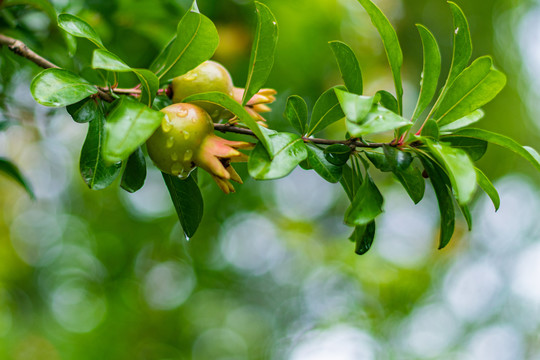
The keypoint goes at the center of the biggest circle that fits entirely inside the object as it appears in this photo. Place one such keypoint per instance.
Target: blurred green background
(270, 274)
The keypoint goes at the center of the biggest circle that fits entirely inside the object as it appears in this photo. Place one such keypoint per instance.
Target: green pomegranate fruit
(186, 140)
(209, 76)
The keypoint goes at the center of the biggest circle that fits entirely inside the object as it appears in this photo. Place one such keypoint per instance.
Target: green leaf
(188, 202)
(459, 168)
(430, 73)
(378, 120)
(337, 154)
(388, 100)
(79, 28)
(431, 130)
(224, 100)
(350, 181)
(289, 151)
(103, 59)
(296, 112)
(363, 238)
(391, 45)
(59, 87)
(366, 205)
(445, 200)
(500, 140)
(355, 107)
(83, 111)
(413, 182)
(196, 41)
(379, 160)
(8, 168)
(476, 86)
(321, 165)
(467, 215)
(474, 147)
(462, 49)
(326, 111)
(262, 52)
(488, 188)
(128, 126)
(397, 159)
(95, 172)
(348, 67)
(43, 5)
(464, 121)
(135, 172)
(160, 61)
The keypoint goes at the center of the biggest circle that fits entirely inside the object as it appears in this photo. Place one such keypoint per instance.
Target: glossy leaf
(462, 48)
(262, 52)
(289, 151)
(296, 112)
(355, 107)
(488, 188)
(188, 202)
(430, 73)
(379, 160)
(337, 154)
(129, 124)
(500, 140)
(59, 87)
(467, 215)
(366, 205)
(321, 165)
(103, 59)
(459, 168)
(95, 172)
(444, 199)
(467, 120)
(348, 67)
(135, 172)
(160, 61)
(413, 182)
(388, 100)
(350, 181)
(363, 237)
(378, 120)
(476, 86)
(83, 111)
(230, 104)
(79, 28)
(325, 112)
(431, 130)
(391, 45)
(397, 159)
(9, 169)
(476, 148)
(196, 41)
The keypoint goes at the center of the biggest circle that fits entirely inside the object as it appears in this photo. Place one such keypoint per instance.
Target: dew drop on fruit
(174, 156)
(170, 142)
(177, 168)
(166, 125)
(182, 113)
(186, 135)
(188, 155)
(190, 76)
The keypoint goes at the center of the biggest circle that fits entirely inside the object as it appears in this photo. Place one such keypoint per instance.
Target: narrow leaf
(128, 126)
(363, 237)
(467, 215)
(430, 73)
(325, 112)
(391, 45)
(462, 49)
(8, 168)
(188, 202)
(95, 172)
(467, 120)
(79, 28)
(350, 181)
(366, 205)
(459, 168)
(475, 148)
(488, 188)
(413, 182)
(196, 41)
(337, 154)
(262, 52)
(388, 101)
(289, 151)
(59, 87)
(348, 67)
(476, 86)
(296, 112)
(230, 104)
(322, 166)
(445, 200)
(135, 172)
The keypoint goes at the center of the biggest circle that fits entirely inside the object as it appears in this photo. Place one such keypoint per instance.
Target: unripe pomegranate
(209, 76)
(186, 140)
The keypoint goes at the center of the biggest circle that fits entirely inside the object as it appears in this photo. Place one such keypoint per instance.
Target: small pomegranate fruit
(186, 140)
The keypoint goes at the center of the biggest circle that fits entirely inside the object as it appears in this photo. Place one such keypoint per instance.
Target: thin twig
(19, 48)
